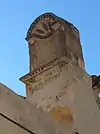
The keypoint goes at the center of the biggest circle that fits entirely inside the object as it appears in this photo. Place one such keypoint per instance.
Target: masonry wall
(66, 94)
(28, 115)
(7, 127)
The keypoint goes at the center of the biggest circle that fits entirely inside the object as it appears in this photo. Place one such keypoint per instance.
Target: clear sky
(17, 15)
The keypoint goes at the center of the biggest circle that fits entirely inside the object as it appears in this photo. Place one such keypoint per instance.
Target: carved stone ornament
(45, 25)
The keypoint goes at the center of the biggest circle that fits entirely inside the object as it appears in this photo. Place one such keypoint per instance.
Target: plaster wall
(21, 111)
(69, 99)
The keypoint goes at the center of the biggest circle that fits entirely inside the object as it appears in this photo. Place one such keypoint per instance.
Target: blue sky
(17, 15)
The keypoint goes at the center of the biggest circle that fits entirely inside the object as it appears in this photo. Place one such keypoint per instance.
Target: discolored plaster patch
(62, 115)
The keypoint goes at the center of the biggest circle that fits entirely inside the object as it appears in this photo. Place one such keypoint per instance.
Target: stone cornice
(60, 61)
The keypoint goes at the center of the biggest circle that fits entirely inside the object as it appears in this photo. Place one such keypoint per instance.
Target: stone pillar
(59, 84)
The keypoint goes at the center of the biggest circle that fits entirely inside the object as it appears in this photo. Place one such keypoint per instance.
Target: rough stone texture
(21, 111)
(57, 81)
(60, 99)
(69, 99)
(51, 36)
